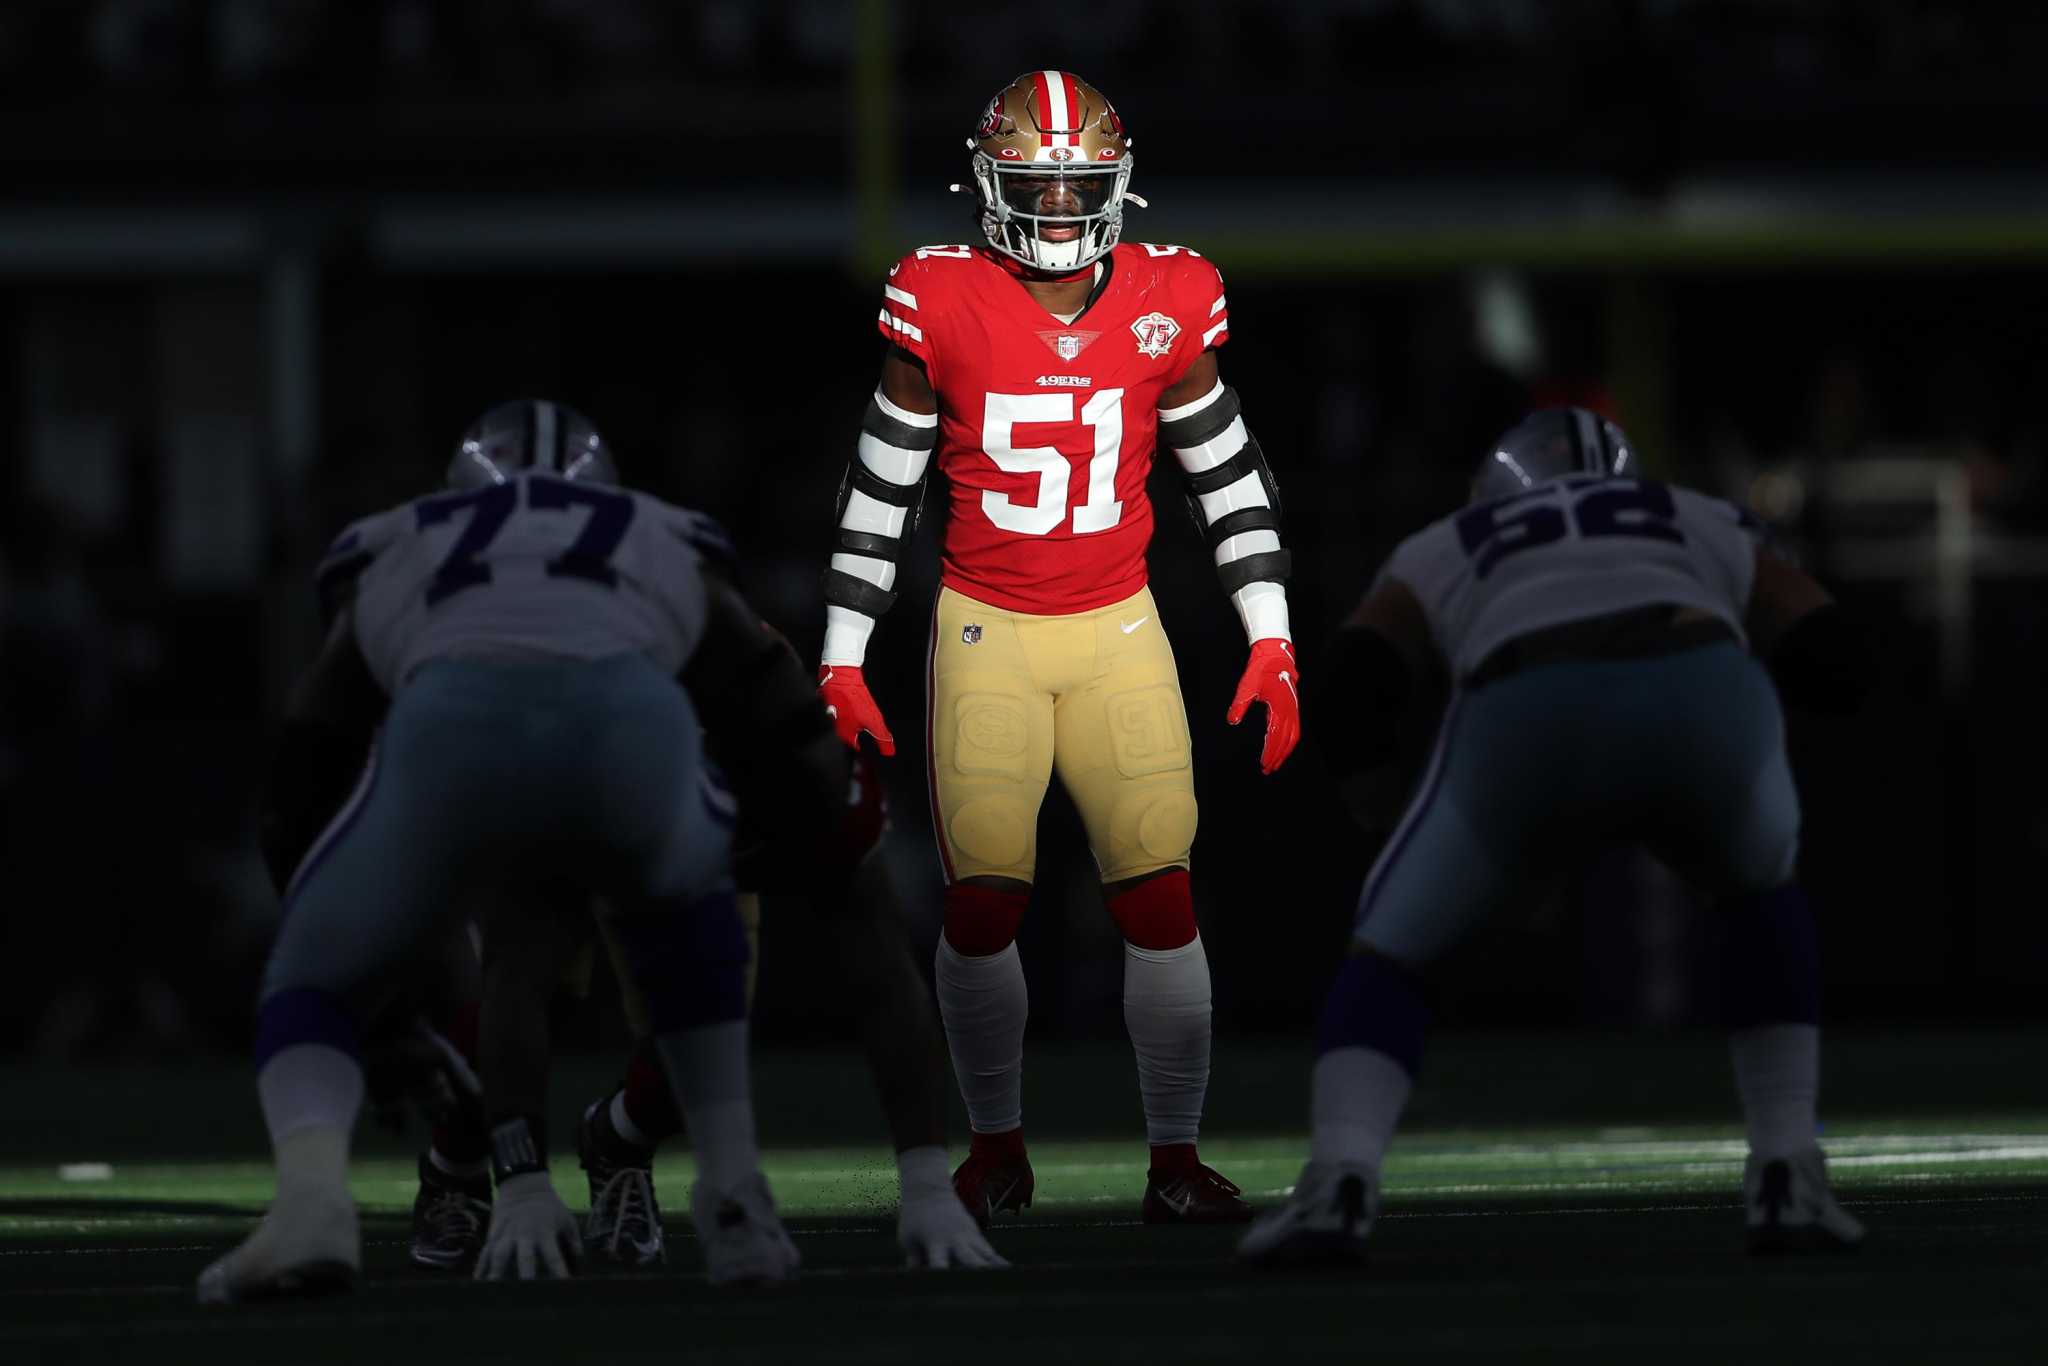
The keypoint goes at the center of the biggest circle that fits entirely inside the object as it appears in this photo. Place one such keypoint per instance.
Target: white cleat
(308, 1244)
(1323, 1223)
(1790, 1208)
(743, 1238)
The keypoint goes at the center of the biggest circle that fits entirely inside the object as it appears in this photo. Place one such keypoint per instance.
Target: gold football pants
(1013, 698)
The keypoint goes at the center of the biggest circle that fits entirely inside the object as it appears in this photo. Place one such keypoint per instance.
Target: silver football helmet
(531, 434)
(1552, 443)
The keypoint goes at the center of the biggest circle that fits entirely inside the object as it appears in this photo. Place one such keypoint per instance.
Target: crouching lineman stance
(1043, 368)
(803, 829)
(527, 629)
(1594, 626)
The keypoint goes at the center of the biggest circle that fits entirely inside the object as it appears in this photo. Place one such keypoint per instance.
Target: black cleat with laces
(624, 1226)
(450, 1217)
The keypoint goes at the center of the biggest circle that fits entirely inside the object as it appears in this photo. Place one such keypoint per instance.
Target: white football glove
(531, 1229)
(933, 1228)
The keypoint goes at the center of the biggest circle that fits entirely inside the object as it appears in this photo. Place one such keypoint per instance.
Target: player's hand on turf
(1271, 676)
(532, 1232)
(937, 1233)
(852, 707)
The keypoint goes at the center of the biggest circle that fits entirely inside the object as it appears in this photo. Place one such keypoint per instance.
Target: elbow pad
(1357, 695)
(880, 499)
(1824, 663)
(1230, 490)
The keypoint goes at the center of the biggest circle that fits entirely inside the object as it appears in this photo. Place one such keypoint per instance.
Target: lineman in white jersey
(526, 629)
(1594, 632)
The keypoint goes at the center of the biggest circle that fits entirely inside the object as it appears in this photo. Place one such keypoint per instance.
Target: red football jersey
(1046, 429)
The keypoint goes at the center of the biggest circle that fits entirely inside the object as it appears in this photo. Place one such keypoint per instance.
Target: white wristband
(923, 1172)
(1262, 607)
(846, 637)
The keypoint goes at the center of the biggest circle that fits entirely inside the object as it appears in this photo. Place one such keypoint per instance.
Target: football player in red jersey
(1043, 368)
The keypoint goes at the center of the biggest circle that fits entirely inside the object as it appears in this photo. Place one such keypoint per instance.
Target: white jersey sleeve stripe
(909, 300)
(904, 415)
(1209, 337)
(911, 330)
(1216, 307)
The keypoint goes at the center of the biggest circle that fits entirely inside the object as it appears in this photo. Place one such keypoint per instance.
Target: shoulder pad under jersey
(334, 581)
(706, 536)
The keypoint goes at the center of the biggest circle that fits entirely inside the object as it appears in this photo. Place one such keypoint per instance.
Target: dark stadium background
(260, 262)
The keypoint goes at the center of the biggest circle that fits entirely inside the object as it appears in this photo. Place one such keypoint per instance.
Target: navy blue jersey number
(489, 507)
(610, 514)
(1523, 522)
(589, 557)
(1599, 507)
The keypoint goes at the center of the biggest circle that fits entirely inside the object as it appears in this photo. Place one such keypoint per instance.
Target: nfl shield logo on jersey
(970, 634)
(1068, 347)
(1155, 333)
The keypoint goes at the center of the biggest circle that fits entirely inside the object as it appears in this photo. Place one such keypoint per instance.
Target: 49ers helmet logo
(1155, 333)
(991, 118)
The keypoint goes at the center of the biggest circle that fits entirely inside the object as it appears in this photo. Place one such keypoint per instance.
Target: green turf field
(1501, 1240)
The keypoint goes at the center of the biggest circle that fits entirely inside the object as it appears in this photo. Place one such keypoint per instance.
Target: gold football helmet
(1051, 167)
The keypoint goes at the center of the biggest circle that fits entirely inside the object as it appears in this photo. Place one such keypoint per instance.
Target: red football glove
(866, 818)
(1271, 676)
(851, 707)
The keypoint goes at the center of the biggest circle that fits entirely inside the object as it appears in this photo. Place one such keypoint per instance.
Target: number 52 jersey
(1046, 428)
(537, 567)
(1571, 549)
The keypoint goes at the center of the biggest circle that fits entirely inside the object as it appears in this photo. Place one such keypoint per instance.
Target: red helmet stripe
(1053, 106)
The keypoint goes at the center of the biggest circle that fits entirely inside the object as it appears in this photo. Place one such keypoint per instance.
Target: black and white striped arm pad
(878, 507)
(1236, 506)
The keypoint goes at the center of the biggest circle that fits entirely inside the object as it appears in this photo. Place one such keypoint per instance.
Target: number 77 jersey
(1047, 428)
(536, 567)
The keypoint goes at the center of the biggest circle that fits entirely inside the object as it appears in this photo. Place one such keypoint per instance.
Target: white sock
(1359, 1096)
(984, 1005)
(310, 1094)
(1166, 1010)
(1777, 1074)
(708, 1068)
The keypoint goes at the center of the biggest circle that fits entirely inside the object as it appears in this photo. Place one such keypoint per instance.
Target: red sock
(1174, 1158)
(1009, 1144)
(649, 1102)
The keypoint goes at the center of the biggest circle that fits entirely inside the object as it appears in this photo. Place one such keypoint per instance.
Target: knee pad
(992, 832)
(1158, 913)
(1151, 828)
(982, 920)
